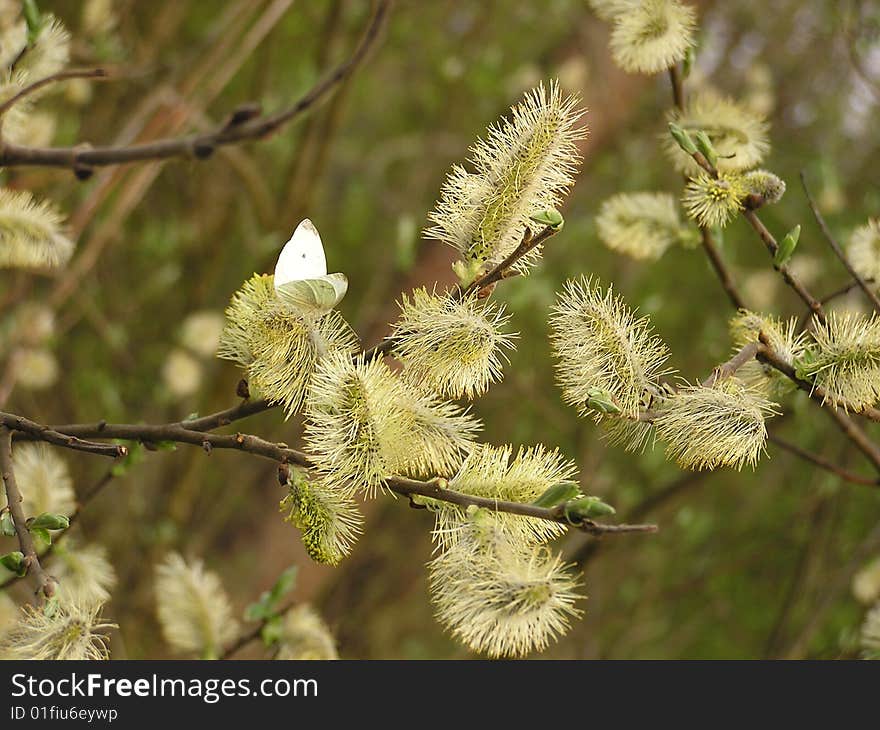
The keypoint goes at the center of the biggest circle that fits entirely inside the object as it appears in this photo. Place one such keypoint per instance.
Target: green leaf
(14, 562)
(587, 508)
(600, 400)
(704, 145)
(561, 492)
(271, 631)
(683, 138)
(549, 217)
(267, 604)
(42, 534)
(786, 247)
(7, 526)
(34, 20)
(48, 521)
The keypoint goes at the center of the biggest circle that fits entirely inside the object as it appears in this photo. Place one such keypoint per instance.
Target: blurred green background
(745, 565)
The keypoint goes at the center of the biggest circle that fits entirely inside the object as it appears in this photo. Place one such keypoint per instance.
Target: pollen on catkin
(714, 202)
(357, 426)
(738, 134)
(453, 347)
(652, 35)
(640, 225)
(277, 345)
(363, 424)
(783, 337)
(328, 517)
(844, 360)
(44, 479)
(305, 636)
(31, 233)
(863, 251)
(602, 348)
(766, 186)
(707, 427)
(193, 609)
(49, 53)
(496, 472)
(62, 630)
(495, 596)
(85, 575)
(525, 165)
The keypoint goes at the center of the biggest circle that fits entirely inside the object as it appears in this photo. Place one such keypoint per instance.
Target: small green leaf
(48, 521)
(271, 631)
(42, 534)
(600, 400)
(34, 20)
(14, 562)
(561, 492)
(786, 247)
(7, 526)
(690, 57)
(704, 145)
(586, 508)
(549, 217)
(683, 138)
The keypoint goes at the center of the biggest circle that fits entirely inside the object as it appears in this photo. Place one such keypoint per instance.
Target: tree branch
(838, 251)
(45, 583)
(279, 452)
(241, 126)
(65, 440)
(821, 462)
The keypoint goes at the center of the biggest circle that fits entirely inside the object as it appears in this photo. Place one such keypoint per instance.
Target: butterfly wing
(302, 256)
(318, 295)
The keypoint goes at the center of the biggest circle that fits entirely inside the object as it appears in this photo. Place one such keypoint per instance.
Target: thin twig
(729, 368)
(45, 582)
(65, 440)
(202, 145)
(721, 270)
(75, 73)
(279, 452)
(835, 246)
(789, 278)
(821, 462)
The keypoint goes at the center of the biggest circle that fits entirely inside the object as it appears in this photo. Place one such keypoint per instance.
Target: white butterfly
(301, 277)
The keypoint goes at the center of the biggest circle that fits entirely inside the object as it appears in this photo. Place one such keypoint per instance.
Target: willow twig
(838, 251)
(45, 583)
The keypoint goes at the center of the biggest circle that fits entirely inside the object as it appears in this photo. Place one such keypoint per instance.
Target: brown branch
(502, 270)
(729, 368)
(279, 452)
(76, 73)
(239, 128)
(482, 283)
(721, 270)
(677, 84)
(56, 438)
(45, 582)
(789, 278)
(822, 462)
(835, 246)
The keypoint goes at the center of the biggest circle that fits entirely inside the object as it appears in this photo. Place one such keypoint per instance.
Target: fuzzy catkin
(278, 346)
(601, 345)
(193, 608)
(641, 225)
(525, 165)
(31, 234)
(498, 596)
(650, 36)
(453, 347)
(738, 135)
(708, 427)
